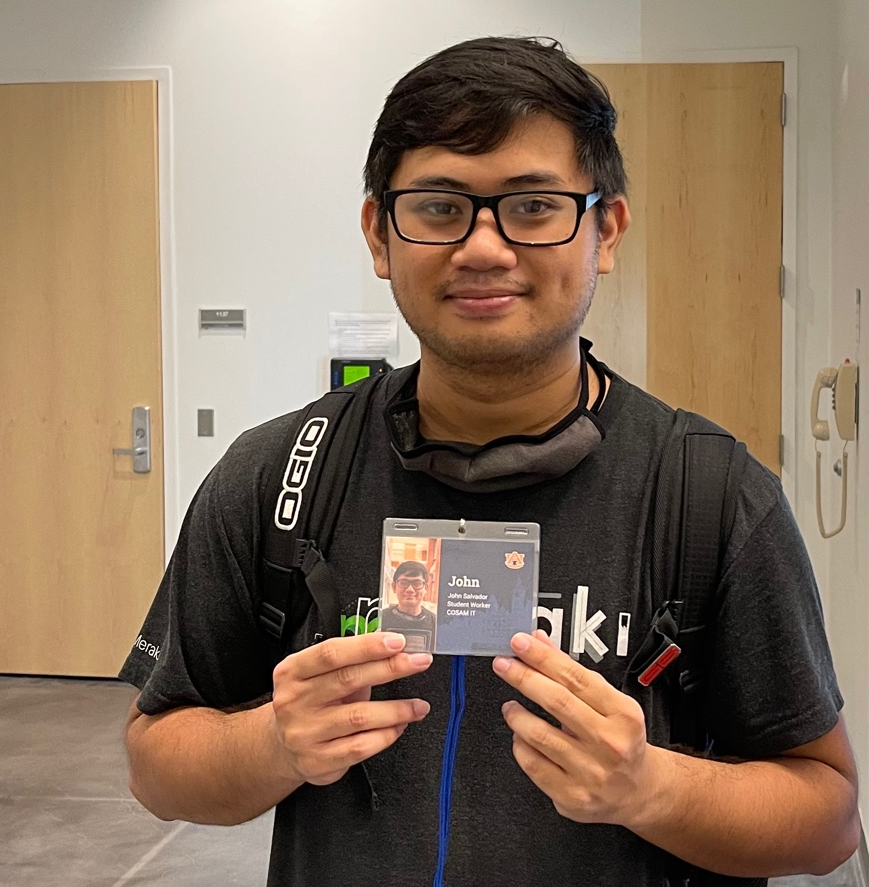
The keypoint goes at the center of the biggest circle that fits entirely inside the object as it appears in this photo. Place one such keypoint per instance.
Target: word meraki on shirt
(582, 639)
(150, 649)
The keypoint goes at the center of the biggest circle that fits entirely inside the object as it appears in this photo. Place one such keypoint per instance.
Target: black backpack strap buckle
(306, 555)
(272, 621)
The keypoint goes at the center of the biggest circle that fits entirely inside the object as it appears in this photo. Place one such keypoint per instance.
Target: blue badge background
(511, 596)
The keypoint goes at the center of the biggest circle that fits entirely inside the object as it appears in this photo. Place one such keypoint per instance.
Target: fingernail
(394, 641)
(501, 664)
(521, 642)
(421, 708)
(419, 660)
(507, 706)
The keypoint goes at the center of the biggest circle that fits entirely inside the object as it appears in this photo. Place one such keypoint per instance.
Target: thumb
(541, 635)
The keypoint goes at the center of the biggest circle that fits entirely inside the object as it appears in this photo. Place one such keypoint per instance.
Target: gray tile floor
(67, 818)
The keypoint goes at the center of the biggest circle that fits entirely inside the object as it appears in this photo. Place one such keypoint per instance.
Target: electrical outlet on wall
(205, 423)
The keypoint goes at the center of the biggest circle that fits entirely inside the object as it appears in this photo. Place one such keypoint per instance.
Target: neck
(473, 407)
(410, 611)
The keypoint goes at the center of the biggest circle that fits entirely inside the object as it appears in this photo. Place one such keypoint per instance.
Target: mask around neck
(508, 463)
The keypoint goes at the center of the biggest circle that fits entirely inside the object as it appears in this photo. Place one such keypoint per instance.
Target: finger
(582, 682)
(559, 701)
(551, 742)
(346, 720)
(347, 681)
(350, 750)
(338, 653)
(546, 775)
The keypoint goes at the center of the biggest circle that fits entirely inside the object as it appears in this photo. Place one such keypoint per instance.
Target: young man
(496, 195)
(408, 616)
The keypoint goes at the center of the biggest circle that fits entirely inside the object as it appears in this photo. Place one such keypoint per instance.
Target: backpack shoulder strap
(304, 494)
(704, 509)
(695, 505)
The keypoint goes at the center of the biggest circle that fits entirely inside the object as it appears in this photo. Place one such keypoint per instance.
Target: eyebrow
(534, 178)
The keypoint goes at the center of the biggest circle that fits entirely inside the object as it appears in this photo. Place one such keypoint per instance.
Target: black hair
(469, 97)
(410, 568)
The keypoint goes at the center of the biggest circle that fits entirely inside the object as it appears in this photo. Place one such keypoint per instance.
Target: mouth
(484, 303)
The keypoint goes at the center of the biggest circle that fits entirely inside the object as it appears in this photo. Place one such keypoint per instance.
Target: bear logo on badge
(515, 561)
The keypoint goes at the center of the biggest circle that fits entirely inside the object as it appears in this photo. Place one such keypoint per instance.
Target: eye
(439, 208)
(533, 206)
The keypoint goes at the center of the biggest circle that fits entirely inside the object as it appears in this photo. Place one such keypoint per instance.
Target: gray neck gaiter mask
(508, 463)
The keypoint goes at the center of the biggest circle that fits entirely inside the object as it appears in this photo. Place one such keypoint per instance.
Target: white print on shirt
(555, 618)
(298, 470)
(584, 628)
(150, 649)
(583, 639)
(624, 632)
(583, 634)
(366, 618)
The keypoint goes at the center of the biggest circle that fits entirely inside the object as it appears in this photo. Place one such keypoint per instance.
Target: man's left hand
(598, 767)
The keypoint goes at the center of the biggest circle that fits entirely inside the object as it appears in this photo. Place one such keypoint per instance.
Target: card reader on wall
(346, 371)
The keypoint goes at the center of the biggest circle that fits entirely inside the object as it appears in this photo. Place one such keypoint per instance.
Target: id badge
(459, 587)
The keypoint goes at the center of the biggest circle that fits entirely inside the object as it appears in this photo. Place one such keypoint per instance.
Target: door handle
(141, 449)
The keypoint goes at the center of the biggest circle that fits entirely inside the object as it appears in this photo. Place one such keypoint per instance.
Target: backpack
(694, 506)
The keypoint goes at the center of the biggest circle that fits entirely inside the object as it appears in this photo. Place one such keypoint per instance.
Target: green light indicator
(355, 373)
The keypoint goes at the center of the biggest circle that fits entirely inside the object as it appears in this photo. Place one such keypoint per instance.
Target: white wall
(849, 571)
(273, 103)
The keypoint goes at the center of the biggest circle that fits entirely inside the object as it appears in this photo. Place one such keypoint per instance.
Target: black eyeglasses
(524, 218)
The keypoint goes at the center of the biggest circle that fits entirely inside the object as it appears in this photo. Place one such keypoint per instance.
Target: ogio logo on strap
(297, 473)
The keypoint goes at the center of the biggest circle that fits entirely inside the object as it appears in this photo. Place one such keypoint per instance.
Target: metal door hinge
(784, 109)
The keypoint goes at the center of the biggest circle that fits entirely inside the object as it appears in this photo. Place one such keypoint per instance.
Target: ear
(375, 234)
(611, 231)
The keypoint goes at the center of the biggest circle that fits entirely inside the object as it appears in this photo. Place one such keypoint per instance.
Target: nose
(485, 248)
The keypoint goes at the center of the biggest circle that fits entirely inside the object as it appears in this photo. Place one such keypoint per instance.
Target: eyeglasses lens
(529, 217)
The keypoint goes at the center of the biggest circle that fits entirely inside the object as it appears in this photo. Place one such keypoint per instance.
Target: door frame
(790, 184)
(168, 288)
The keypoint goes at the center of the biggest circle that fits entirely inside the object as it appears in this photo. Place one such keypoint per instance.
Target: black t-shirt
(771, 686)
(419, 630)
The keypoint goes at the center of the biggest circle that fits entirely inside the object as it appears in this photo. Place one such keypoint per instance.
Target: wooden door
(693, 311)
(82, 534)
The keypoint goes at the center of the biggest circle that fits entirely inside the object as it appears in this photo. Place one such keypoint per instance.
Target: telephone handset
(843, 381)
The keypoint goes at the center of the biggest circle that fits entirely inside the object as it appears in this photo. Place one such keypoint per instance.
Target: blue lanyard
(448, 766)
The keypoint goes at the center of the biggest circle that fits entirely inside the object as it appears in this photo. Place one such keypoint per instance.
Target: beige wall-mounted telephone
(843, 381)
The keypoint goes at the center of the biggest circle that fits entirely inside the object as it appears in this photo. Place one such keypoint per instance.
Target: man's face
(410, 590)
(485, 303)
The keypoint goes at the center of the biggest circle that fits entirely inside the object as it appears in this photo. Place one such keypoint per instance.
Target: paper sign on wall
(363, 335)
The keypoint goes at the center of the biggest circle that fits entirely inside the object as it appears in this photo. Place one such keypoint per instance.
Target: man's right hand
(324, 718)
